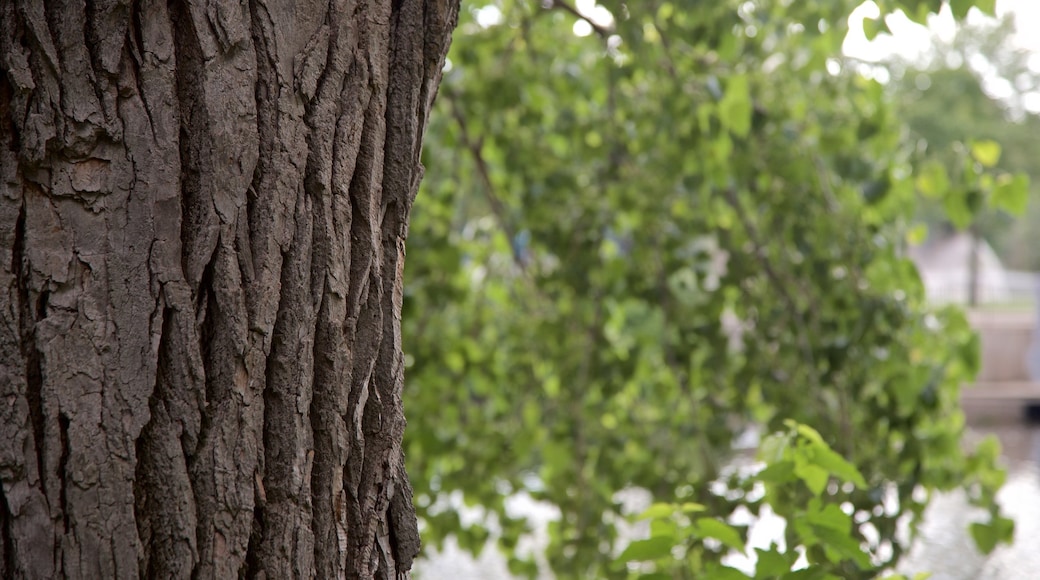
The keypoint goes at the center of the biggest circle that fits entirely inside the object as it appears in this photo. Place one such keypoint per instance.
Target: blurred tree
(654, 227)
(976, 86)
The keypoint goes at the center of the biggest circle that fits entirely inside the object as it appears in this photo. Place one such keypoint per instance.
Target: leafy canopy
(634, 246)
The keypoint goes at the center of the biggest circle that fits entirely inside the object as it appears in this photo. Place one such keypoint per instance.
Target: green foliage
(973, 186)
(634, 246)
(820, 529)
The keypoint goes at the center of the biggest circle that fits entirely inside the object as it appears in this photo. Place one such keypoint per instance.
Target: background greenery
(943, 99)
(635, 246)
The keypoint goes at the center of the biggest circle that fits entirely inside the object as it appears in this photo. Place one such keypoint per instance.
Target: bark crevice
(33, 366)
(252, 564)
(63, 473)
(6, 536)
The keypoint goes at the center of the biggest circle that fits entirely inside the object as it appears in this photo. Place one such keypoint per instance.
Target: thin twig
(778, 281)
(669, 62)
(823, 179)
(603, 31)
(475, 149)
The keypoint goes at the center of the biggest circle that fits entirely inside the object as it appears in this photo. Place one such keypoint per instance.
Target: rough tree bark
(203, 211)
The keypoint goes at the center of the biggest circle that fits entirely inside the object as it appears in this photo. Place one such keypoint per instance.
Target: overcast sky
(910, 39)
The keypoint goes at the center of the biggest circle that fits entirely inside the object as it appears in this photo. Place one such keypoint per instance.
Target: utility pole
(973, 267)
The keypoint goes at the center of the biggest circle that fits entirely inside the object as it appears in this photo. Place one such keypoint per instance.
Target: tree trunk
(203, 211)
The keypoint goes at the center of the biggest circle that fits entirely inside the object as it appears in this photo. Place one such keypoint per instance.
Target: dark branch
(603, 31)
(475, 149)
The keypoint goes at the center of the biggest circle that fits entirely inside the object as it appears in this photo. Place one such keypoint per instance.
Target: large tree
(203, 213)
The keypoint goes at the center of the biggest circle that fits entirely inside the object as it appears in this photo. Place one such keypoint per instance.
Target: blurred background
(656, 239)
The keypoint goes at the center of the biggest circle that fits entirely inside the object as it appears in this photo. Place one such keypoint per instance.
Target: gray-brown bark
(203, 210)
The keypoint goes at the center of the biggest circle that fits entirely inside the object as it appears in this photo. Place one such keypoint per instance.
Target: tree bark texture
(203, 213)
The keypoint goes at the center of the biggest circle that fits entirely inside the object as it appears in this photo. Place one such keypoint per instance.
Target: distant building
(945, 269)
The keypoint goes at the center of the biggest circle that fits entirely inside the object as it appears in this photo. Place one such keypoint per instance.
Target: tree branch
(778, 281)
(474, 147)
(603, 31)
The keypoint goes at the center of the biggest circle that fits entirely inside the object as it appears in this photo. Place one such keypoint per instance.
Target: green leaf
(843, 546)
(1011, 193)
(960, 8)
(811, 434)
(773, 447)
(814, 476)
(919, 14)
(721, 531)
(526, 568)
(830, 517)
(874, 26)
(987, 7)
(780, 472)
(735, 106)
(959, 210)
(917, 234)
(932, 180)
(690, 507)
(986, 152)
(658, 510)
(839, 467)
(988, 535)
(770, 563)
(648, 549)
(667, 527)
(803, 574)
(717, 571)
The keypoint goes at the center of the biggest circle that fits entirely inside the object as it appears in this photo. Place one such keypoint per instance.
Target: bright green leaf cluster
(822, 530)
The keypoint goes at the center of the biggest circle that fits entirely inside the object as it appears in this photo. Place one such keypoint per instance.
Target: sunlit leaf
(690, 507)
(932, 180)
(986, 152)
(837, 466)
(1011, 193)
(814, 476)
(735, 106)
(648, 549)
(723, 532)
(658, 510)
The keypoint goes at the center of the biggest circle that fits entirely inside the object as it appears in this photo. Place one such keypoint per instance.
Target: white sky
(910, 39)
